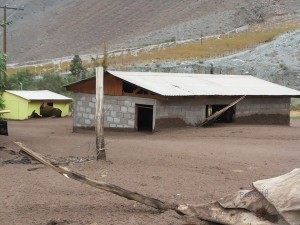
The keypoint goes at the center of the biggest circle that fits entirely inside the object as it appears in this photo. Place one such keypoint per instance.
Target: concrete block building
(148, 101)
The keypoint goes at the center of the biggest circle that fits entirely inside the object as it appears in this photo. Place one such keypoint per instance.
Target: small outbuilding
(22, 104)
(146, 101)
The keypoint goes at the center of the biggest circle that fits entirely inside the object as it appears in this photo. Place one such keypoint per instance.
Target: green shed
(23, 103)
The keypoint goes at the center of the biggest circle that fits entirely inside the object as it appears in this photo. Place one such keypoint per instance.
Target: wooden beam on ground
(211, 119)
(152, 202)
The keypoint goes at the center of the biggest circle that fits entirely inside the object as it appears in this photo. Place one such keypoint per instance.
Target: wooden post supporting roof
(100, 144)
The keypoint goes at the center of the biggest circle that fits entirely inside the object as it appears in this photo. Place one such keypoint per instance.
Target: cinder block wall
(263, 110)
(84, 110)
(119, 110)
(251, 110)
(190, 111)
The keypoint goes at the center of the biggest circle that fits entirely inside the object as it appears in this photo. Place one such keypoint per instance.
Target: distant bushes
(2, 74)
(2, 105)
(295, 104)
(25, 80)
(283, 66)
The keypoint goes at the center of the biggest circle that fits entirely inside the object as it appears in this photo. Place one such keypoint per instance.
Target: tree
(77, 68)
(2, 78)
(52, 82)
(2, 105)
(96, 62)
(104, 62)
(22, 80)
(2, 71)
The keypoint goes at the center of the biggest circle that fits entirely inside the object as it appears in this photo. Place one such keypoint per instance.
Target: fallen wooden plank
(152, 202)
(210, 120)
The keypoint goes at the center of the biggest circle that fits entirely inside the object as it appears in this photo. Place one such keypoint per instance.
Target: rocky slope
(277, 61)
(56, 28)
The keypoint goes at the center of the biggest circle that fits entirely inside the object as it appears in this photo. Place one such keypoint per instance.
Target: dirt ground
(184, 165)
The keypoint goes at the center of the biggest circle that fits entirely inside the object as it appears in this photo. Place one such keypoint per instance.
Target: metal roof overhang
(173, 84)
(213, 85)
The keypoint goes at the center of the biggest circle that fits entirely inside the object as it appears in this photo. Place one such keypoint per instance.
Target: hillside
(277, 61)
(56, 28)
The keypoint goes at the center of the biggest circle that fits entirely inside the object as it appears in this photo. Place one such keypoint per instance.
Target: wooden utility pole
(4, 24)
(201, 38)
(100, 144)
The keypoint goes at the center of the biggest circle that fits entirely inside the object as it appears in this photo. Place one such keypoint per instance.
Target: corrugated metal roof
(181, 84)
(39, 95)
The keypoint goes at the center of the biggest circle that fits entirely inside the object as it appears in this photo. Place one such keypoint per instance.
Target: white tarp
(283, 194)
(274, 201)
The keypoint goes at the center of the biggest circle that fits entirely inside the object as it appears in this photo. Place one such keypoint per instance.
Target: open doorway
(226, 117)
(3, 127)
(144, 116)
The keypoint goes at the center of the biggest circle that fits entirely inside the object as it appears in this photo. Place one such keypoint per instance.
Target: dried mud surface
(185, 165)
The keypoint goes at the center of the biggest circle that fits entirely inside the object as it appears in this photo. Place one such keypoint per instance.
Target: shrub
(76, 68)
(2, 105)
(283, 66)
(22, 80)
(104, 62)
(2, 71)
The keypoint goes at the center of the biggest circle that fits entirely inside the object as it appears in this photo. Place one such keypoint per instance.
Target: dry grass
(211, 48)
(47, 68)
(295, 114)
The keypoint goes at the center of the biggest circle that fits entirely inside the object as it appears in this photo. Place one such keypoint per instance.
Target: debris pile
(13, 157)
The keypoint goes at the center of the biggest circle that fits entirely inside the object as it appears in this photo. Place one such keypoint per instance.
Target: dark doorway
(3, 127)
(226, 117)
(144, 117)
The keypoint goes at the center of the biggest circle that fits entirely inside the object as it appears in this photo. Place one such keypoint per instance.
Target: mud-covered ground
(184, 165)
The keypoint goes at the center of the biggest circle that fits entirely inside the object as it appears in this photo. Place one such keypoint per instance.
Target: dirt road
(186, 165)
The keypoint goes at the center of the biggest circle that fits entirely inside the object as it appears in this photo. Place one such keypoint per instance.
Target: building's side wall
(34, 106)
(112, 86)
(264, 110)
(18, 107)
(178, 112)
(63, 106)
(251, 110)
(119, 110)
(84, 109)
